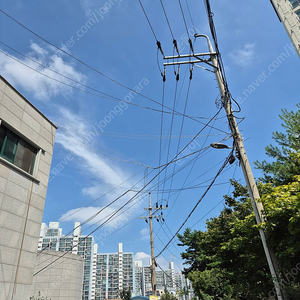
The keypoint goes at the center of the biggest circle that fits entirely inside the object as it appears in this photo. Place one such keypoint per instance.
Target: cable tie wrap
(160, 48)
(191, 45)
(175, 46)
(191, 72)
(177, 74)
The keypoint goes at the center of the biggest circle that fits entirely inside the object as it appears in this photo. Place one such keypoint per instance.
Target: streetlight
(223, 146)
(220, 146)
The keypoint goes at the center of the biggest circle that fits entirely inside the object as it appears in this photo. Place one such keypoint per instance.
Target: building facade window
(17, 151)
(295, 3)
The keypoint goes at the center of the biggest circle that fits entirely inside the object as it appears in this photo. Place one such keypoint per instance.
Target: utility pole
(210, 59)
(152, 212)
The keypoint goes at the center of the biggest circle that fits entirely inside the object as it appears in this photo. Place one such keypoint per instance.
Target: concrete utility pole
(152, 211)
(210, 59)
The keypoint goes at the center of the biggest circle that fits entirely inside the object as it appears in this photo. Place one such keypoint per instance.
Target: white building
(175, 283)
(51, 238)
(288, 12)
(165, 280)
(114, 271)
(26, 147)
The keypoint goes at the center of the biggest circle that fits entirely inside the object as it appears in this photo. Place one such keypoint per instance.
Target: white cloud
(106, 176)
(145, 234)
(81, 214)
(80, 143)
(38, 50)
(19, 71)
(244, 55)
(86, 5)
(144, 257)
(144, 231)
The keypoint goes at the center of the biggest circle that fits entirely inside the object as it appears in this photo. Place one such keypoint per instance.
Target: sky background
(105, 146)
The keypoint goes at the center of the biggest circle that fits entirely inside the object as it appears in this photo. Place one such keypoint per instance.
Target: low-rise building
(58, 276)
(51, 238)
(26, 148)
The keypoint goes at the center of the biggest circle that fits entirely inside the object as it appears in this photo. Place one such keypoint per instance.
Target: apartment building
(165, 280)
(114, 271)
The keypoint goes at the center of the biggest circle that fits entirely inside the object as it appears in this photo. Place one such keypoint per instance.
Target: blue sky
(103, 146)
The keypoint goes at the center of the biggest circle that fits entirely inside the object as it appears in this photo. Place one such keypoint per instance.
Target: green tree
(167, 296)
(282, 212)
(227, 261)
(283, 167)
(125, 294)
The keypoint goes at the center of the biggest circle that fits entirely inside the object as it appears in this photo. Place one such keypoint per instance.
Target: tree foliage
(167, 296)
(222, 261)
(283, 167)
(227, 261)
(125, 293)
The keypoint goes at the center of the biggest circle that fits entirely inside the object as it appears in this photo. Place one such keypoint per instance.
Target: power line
(187, 31)
(161, 127)
(129, 160)
(216, 204)
(107, 220)
(148, 20)
(183, 17)
(75, 58)
(109, 97)
(181, 128)
(172, 120)
(162, 5)
(192, 167)
(180, 169)
(122, 212)
(187, 4)
(78, 210)
(90, 93)
(60, 74)
(172, 280)
(219, 172)
(167, 235)
(175, 191)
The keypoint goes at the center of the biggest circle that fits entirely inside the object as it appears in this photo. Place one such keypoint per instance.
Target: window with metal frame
(16, 150)
(295, 3)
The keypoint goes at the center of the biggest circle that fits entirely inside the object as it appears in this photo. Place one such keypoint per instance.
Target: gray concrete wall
(22, 196)
(62, 280)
